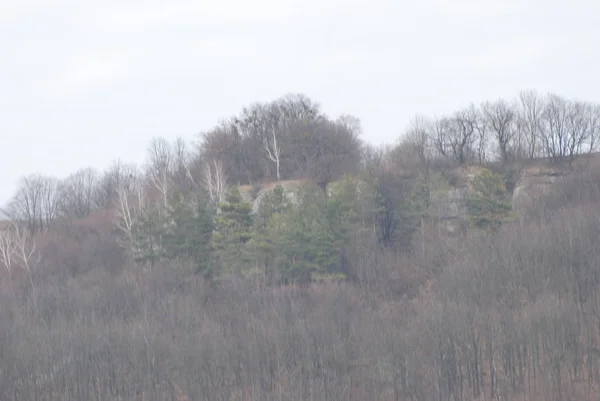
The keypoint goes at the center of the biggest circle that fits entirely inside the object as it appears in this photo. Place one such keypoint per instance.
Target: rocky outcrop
(534, 182)
(255, 195)
(537, 178)
(542, 178)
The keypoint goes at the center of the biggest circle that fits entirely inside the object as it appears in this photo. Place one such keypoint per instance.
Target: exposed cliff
(527, 184)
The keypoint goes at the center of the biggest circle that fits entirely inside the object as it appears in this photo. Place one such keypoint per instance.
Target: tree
(8, 247)
(36, 202)
(232, 232)
(568, 128)
(326, 150)
(273, 150)
(463, 129)
(18, 248)
(306, 241)
(530, 106)
(188, 233)
(215, 180)
(225, 144)
(106, 191)
(131, 205)
(147, 233)
(417, 142)
(182, 173)
(274, 202)
(488, 203)
(502, 119)
(77, 193)
(264, 124)
(391, 214)
(267, 225)
(160, 167)
(440, 137)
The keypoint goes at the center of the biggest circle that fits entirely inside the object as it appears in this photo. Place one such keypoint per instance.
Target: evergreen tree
(274, 202)
(233, 231)
(307, 240)
(147, 237)
(489, 205)
(189, 232)
(273, 205)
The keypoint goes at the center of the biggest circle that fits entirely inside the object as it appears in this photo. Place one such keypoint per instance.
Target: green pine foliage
(234, 223)
(489, 204)
(189, 232)
(305, 240)
(147, 237)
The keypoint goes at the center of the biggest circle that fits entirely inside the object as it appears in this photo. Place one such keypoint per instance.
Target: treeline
(184, 203)
(512, 314)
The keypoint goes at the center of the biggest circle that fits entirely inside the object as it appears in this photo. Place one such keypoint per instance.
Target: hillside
(461, 263)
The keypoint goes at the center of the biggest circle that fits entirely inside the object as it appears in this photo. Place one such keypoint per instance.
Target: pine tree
(147, 237)
(488, 204)
(233, 231)
(307, 240)
(189, 232)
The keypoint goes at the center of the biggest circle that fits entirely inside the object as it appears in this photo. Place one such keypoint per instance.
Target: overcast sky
(83, 83)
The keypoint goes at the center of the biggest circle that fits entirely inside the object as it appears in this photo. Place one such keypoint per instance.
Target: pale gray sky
(85, 82)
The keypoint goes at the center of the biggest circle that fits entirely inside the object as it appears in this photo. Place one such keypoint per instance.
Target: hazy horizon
(85, 83)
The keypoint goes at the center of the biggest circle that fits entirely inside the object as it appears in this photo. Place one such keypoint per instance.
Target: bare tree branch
(215, 181)
(502, 119)
(131, 203)
(8, 247)
(77, 193)
(160, 167)
(530, 106)
(35, 203)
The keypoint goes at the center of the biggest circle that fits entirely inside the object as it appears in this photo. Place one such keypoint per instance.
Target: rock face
(255, 195)
(451, 208)
(535, 182)
(540, 178)
(536, 179)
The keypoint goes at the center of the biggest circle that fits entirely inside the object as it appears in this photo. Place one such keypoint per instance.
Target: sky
(84, 83)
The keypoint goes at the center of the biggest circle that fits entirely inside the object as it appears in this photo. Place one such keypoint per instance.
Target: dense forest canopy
(280, 256)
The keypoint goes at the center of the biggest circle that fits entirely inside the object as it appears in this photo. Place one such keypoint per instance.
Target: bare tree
(415, 148)
(215, 180)
(463, 134)
(530, 107)
(273, 150)
(351, 124)
(265, 123)
(326, 151)
(570, 128)
(482, 137)
(298, 107)
(8, 247)
(77, 193)
(419, 136)
(50, 200)
(579, 128)
(26, 249)
(18, 248)
(160, 167)
(131, 203)
(594, 116)
(440, 136)
(502, 119)
(106, 191)
(226, 144)
(35, 203)
(183, 175)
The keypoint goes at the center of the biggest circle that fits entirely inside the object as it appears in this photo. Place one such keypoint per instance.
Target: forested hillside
(282, 257)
